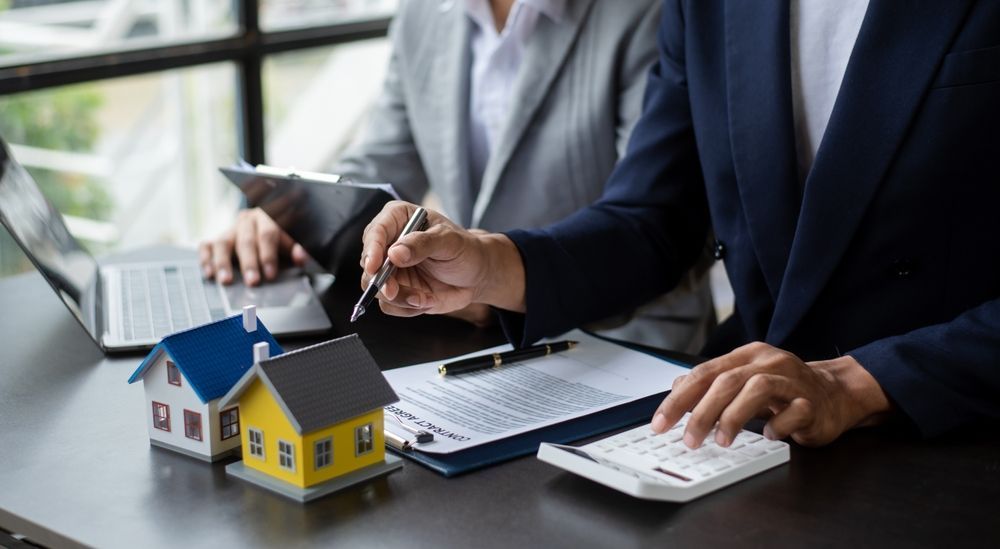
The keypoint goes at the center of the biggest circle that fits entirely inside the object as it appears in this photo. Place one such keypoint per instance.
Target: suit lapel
(544, 57)
(762, 134)
(446, 87)
(895, 57)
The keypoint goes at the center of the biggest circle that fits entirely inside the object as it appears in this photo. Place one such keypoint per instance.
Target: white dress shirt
(823, 33)
(496, 61)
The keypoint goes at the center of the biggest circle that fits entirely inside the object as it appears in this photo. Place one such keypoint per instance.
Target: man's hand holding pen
(442, 268)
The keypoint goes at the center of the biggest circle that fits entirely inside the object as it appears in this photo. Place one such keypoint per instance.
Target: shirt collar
(554, 9)
(479, 10)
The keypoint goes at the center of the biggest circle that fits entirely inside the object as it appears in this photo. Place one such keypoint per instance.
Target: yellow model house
(312, 419)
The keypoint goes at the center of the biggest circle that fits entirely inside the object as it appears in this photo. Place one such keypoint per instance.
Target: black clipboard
(323, 213)
(597, 423)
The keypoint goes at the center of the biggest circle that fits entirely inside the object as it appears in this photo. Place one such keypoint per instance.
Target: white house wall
(178, 398)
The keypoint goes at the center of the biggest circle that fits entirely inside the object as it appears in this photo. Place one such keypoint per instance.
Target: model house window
(363, 435)
(286, 455)
(161, 416)
(192, 425)
(256, 442)
(229, 420)
(324, 453)
(173, 374)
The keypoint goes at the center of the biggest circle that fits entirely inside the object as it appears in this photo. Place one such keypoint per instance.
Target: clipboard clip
(402, 444)
(397, 442)
(297, 174)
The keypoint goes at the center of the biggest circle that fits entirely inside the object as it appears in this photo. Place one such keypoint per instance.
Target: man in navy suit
(845, 156)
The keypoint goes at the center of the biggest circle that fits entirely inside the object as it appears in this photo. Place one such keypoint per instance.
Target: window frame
(223, 425)
(173, 369)
(326, 452)
(247, 48)
(192, 418)
(286, 458)
(259, 445)
(360, 439)
(166, 418)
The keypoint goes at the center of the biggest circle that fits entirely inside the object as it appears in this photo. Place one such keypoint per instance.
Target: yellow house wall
(344, 460)
(259, 410)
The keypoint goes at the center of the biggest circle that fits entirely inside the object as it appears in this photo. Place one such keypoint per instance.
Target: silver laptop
(132, 306)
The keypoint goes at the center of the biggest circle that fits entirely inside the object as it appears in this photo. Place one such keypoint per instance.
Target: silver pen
(416, 223)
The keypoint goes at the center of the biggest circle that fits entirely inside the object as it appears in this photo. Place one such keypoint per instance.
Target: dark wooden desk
(76, 468)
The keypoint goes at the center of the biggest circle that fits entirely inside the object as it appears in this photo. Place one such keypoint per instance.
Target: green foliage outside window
(59, 120)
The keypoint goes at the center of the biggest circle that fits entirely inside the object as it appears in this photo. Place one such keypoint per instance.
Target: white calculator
(661, 467)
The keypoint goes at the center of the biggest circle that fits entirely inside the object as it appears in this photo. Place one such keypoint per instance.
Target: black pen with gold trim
(495, 360)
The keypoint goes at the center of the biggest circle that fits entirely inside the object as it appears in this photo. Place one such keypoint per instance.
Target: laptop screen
(39, 230)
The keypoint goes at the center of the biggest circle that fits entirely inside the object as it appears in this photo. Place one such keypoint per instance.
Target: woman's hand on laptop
(258, 243)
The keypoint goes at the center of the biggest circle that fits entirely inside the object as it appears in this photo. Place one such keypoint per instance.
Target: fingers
(205, 259)
(439, 243)
(222, 252)
(403, 291)
(258, 243)
(727, 385)
(689, 389)
(269, 238)
(719, 395)
(298, 253)
(408, 302)
(383, 229)
(732, 389)
(796, 417)
(398, 300)
(760, 391)
(246, 249)
(390, 309)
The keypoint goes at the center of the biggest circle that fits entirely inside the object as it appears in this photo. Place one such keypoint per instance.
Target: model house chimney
(261, 352)
(250, 318)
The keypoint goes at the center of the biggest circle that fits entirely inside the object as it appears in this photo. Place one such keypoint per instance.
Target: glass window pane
(38, 30)
(129, 161)
(285, 14)
(316, 100)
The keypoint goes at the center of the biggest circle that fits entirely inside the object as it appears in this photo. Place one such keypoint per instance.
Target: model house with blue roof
(186, 373)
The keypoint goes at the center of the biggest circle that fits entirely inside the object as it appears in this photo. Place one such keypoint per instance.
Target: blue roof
(213, 357)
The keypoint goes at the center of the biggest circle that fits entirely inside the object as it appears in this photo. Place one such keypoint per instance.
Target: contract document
(467, 410)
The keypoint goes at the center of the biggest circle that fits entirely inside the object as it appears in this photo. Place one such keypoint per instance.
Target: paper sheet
(481, 407)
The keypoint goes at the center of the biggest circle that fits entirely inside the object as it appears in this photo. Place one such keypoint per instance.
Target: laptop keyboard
(161, 300)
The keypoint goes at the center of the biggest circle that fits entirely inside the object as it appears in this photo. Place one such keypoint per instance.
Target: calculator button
(752, 451)
(703, 471)
(717, 464)
(738, 458)
(748, 438)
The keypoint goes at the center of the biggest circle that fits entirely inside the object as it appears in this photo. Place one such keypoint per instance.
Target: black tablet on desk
(324, 213)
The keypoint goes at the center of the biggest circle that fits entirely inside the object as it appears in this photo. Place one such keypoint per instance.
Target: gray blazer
(574, 104)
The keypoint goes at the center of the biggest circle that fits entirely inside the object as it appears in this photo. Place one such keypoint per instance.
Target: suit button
(903, 268)
(719, 250)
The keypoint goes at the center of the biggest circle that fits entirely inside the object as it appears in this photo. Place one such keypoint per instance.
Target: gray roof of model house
(320, 385)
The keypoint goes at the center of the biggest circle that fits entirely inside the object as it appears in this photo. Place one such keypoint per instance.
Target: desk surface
(76, 468)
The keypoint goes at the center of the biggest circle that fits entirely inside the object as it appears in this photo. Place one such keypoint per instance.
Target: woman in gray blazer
(511, 114)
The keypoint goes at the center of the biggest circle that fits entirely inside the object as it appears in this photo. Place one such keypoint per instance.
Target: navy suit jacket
(889, 251)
